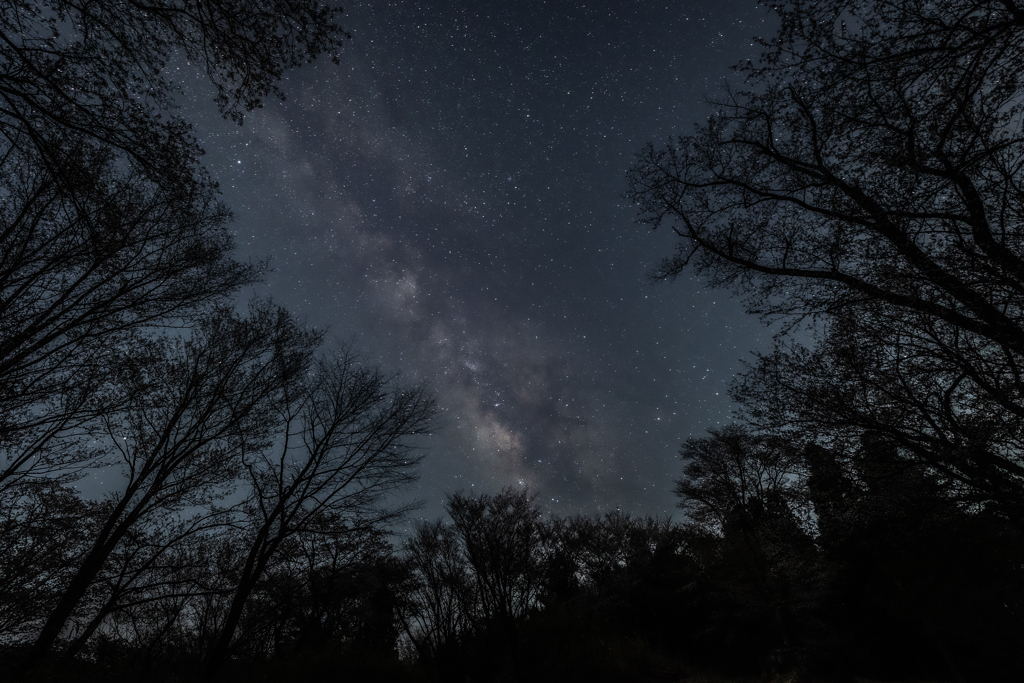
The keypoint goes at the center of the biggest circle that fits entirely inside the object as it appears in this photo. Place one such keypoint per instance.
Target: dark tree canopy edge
(867, 176)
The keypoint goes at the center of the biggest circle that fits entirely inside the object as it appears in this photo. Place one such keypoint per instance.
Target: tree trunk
(108, 539)
(255, 564)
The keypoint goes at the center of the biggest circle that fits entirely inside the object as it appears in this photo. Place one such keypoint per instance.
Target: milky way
(449, 200)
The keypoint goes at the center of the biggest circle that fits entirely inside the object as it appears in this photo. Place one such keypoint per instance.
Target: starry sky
(450, 200)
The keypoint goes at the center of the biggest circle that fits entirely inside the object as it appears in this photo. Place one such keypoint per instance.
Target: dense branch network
(869, 176)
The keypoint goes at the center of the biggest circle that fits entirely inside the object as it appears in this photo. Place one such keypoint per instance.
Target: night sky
(449, 199)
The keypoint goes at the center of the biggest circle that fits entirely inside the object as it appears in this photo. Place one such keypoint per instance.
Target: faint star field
(449, 199)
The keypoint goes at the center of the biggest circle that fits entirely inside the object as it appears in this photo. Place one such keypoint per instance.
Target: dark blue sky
(450, 199)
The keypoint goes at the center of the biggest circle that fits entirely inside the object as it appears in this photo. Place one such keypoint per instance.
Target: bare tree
(192, 409)
(500, 539)
(746, 490)
(869, 176)
(88, 263)
(108, 225)
(44, 531)
(331, 586)
(148, 580)
(443, 608)
(735, 470)
(596, 561)
(478, 577)
(348, 438)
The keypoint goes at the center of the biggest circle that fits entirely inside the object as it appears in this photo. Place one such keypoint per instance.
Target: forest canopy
(859, 187)
(866, 178)
(234, 437)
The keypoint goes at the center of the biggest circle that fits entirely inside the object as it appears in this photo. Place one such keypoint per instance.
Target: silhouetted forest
(806, 564)
(862, 517)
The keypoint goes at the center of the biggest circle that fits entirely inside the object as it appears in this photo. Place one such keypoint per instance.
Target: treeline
(793, 563)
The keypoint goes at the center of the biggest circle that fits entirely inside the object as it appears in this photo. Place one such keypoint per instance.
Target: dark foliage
(868, 176)
(863, 520)
(863, 188)
(101, 70)
(121, 354)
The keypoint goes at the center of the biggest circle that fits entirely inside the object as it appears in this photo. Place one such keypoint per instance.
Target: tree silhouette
(108, 225)
(442, 609)
(347, 439)
(868, 175)
(88, 263)
(192, 410)
(45, 530)
(747, 489)
(733, 471)
(500, 539)
(118, 350)
(102, 70)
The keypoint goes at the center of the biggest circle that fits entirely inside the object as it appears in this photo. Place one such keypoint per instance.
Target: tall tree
(45, 530)
(500, 541)
(735, 471)
(192, 410)
(108, 225)
(88, 263)
(329, 587)
(348, 437)
(747, 489)
(869, 175)
(442, 611)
